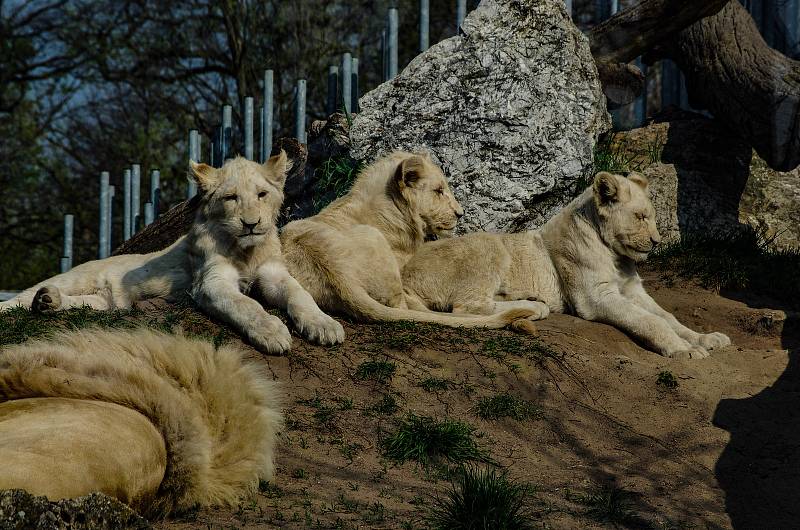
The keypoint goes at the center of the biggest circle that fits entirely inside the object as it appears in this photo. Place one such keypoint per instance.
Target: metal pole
(333, 87)
(194, 136)
(227, 132)
(155, 190)
(148, 214)
(136, 197)
(102, 247)
(385, 54)
(461, 13)
(354, 86)
(393, 29)
(424, 24)
(126, 205)
(109, 217)
(641, 102)
(261, 146)
(569, 7)
(66, 262)
(266, 129)
(248, 128)
(300, 112)
(670, 84)
(347, 79)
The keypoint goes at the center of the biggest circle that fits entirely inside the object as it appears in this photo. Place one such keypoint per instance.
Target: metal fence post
(333, 87)
(109, 217)
(248, 127)
(347, 79)
(126, 205)
(424, 24)
(385, 54)
(66, 258)
(148, 213)
(155, 190)
(393, 32)
(227, 133)
(568, 4)
(102, 246)
(194, 154)
(300, 112)
(266, 128)
(136, 197)
(640, 108)
(461, 13)
(354, 86)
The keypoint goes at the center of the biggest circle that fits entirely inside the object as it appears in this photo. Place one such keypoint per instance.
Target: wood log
(176, 222)
(633, 31)
(749, 87)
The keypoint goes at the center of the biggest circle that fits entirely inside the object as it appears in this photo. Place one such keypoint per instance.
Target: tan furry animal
(161, 422)
(349, 255)
(583, 260)
(232, 249)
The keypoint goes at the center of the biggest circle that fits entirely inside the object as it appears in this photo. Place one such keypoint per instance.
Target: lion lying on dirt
(350, 254)
(231, 249)
(161, 422)
(583, 261)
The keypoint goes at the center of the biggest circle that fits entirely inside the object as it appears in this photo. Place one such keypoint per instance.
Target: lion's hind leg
(50, 298)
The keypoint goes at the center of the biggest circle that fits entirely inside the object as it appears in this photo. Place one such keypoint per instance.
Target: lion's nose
(460, 213)
(250, 226)
(655, 241)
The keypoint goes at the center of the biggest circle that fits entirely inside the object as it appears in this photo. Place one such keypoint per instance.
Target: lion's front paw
(693, 352)
(46, 300)
(713, 341)
(270, 336)
(320, 328)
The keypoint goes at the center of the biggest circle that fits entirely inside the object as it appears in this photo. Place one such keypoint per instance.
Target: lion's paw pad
(713, 341)
(694, 352)
(46, 300)
(321, 329)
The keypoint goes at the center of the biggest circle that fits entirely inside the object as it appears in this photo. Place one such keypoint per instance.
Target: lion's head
(242, 199)
(423, 187)
(627, 218)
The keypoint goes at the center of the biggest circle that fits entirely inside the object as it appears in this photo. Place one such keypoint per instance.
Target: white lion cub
(234, 248)
(583, 261)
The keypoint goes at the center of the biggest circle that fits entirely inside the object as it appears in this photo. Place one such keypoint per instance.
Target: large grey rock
(19, 510)
(511, 109)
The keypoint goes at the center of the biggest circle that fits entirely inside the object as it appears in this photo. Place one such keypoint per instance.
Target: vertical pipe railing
(333, 88)
(354, 86)
(194, 155)
(385, 54)
(136, 197)
(266, 129)
(109, 217)
(393, 34)
(126, 205)
(227, 133)
(347, 79)
(568, 4)
(102, 247)
(249, 117)
(148, 214)
(66, 257)
(424, 24)
(461, 13)
(640, 105)
(300, 112)
(155, 190)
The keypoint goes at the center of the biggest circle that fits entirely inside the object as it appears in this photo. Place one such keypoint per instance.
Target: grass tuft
(378, 371)
(667, 380)
(386, 406)
(609, 505)
(334, 178)
(735, 262)
(434, 384)
(18, 324)
(481, 499)
(425, 440)
(507, 406)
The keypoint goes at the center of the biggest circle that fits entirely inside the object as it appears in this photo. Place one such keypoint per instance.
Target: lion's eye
(440, 191)
(262, 194)
(231, 197)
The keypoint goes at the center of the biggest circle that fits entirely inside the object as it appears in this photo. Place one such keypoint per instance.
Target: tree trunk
(633, 31)
(744, 83)
(177, 220)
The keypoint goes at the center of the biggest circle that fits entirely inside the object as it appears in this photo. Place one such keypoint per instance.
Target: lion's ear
(639, 179)
(410, 172)
(277, 167)
(610, 188)
(205, 175)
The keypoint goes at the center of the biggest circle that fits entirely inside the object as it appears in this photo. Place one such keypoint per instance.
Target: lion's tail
(361, 305)
(218, 414)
